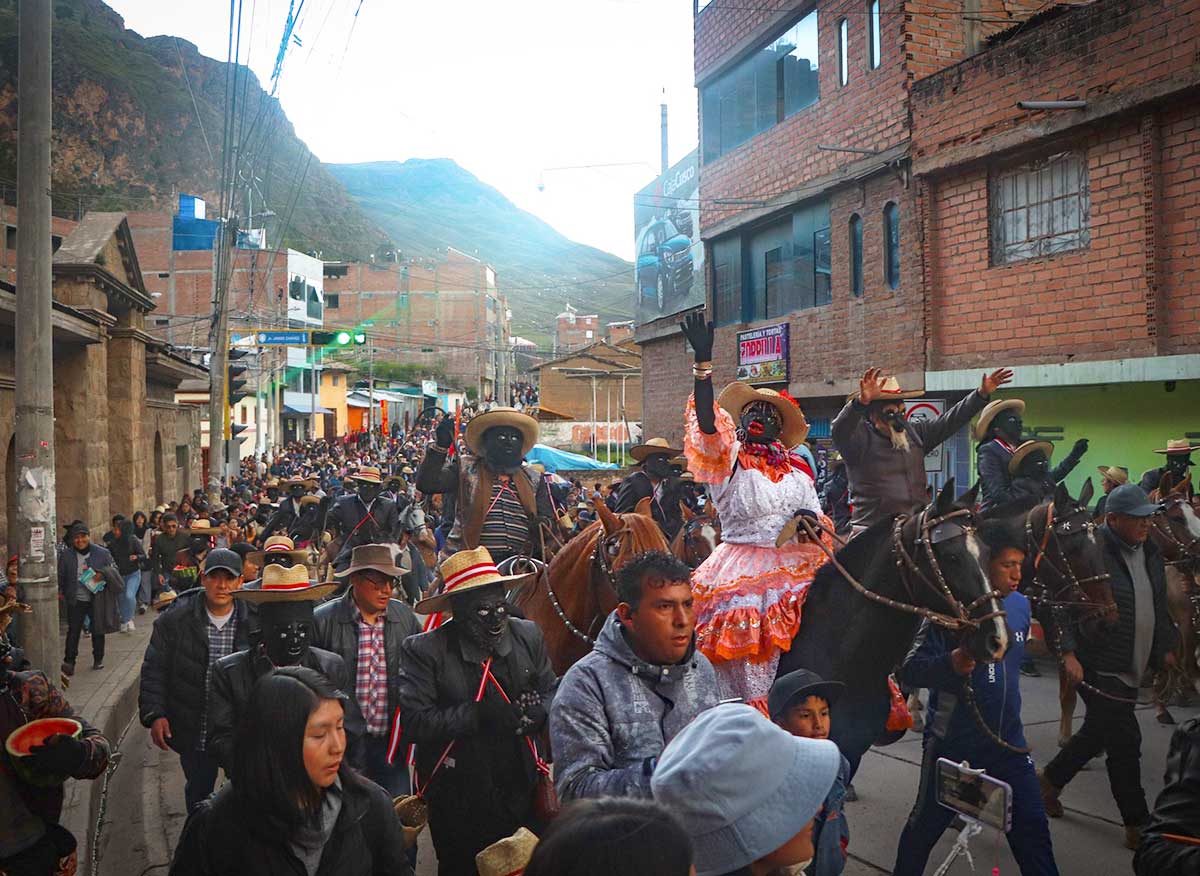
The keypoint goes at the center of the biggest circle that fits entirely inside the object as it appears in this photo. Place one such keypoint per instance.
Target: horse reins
(598, 560)
(1188, 552)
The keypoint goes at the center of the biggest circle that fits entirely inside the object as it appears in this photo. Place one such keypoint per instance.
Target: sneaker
(1054, 807)
(1133, 836)
(98, 664)
(68, 668)
(127, 627)
(141, 608)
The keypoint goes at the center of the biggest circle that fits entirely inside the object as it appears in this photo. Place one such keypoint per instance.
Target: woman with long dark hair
(613, 836)
(296, 806)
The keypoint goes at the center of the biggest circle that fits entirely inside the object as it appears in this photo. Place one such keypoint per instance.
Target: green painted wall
(1123, 422)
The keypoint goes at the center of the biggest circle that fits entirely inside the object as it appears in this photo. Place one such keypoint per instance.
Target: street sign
(282, 339)
(920, 409)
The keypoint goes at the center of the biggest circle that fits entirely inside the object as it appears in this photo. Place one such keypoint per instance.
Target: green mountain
(429, 204)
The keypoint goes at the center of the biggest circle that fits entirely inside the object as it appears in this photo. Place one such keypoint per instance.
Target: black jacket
(106, 612)
(345, 517)
(233, 678)
(437, 705)
(835, 498)
(163, 550)
(223, 838)
(1177, 811)
(176, 665)
(283, 519)
(996, 484)
(336, 630)
(666, 512)
(1112, 650)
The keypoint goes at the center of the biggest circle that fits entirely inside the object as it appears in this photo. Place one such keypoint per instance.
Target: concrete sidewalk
(108, 699)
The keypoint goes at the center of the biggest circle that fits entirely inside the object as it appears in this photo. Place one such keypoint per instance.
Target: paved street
(145, 810)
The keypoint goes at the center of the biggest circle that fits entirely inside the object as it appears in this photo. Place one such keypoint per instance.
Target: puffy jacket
(336, 630)
(614, 714)
(997, 486)
(224, 838)
(233, 678)
(1112, 650)
(1177, 811)
(175, 668)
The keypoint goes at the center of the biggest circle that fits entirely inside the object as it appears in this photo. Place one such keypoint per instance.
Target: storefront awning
(303, 408)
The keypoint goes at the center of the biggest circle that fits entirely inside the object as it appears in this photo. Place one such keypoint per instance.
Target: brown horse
(570, 601)
(697, 538)
(1176, 532)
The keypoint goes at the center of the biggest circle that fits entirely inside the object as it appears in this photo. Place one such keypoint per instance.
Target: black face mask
(287, 628)
(1177, 464)
(502, 447)
(482, 616)
(657, 466)
(296, 491)
(1008, 426)
(895, 419)
(1033, 466)
(760, 423)
(367, 492)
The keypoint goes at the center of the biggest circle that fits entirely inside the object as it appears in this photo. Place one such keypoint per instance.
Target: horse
(1175, 530)
(864, 607)
(577, 590)
(697, 538)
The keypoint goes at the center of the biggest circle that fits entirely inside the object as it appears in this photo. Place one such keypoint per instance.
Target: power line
(187, 80)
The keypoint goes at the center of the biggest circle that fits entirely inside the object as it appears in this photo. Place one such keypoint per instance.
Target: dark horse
(577, 591)
(933, 563)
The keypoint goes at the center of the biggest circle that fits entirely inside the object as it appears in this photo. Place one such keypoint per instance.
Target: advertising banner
(669, 256)
(920, 410)
(762, 355)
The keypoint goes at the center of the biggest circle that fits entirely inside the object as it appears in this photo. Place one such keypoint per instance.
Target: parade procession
(364, 518)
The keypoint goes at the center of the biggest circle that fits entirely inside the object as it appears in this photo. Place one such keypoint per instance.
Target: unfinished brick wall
(667, 383)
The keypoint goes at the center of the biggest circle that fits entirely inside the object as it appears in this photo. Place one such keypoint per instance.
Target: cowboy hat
(303, 480)
(201, 526)
(1026, 448)
(509, 856)
(737, 395)
(373, 556)
(1118, 474)
(651, 447)
(367, 474)
(164, 599)
(277, 545)
(279, 584)
(525, 424)
(891, 392)
(408, 469)
(413, 813)
(1179, 445)
(309, 500)
(463, 571)
(991, 410)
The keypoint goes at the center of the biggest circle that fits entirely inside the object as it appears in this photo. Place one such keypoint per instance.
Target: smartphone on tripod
(974, 794)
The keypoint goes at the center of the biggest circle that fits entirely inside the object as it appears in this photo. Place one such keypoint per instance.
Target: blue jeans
(200, 777)
(128, 601)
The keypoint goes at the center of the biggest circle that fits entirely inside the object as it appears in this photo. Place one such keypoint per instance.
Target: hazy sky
(504, 87)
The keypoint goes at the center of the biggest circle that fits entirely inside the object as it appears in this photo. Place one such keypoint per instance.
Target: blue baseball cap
(1132, 500)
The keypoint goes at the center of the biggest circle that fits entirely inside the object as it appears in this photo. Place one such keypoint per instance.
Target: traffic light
(339, 338)
(234, 385)
(232, 453)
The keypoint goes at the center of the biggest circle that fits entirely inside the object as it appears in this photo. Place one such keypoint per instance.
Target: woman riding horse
(749, 593)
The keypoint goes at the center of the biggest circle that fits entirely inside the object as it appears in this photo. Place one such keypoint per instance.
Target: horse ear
(1085, 495)
(1061, 497)
(610, 520)
(945, 499)
(643, 507)
(971, 497)
(688, 513)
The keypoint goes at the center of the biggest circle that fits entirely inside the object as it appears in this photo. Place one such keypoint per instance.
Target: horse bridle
(1051, 537)
(1189, 552)
(599, 561)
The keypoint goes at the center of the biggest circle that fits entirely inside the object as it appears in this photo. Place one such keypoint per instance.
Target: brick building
(848, 149)
(592, 397)
(574, 331)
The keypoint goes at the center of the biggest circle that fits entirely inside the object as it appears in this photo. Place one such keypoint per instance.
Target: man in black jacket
(1176, 811)
(475, 758)
(998, 431)
(284, 630)
(367, 628)
(197, 630)
(1112, 662)
(163, 550)
(654, 479)
(363, 517)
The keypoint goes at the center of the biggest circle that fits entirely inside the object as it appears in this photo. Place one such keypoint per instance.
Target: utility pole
(370, 392)
(218, 364)
(36, 495)
(312, 392)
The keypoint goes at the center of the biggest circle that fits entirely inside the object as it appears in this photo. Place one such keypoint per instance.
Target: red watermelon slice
(25, 737)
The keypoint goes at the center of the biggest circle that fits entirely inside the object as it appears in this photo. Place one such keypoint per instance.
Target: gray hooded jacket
(614, 712)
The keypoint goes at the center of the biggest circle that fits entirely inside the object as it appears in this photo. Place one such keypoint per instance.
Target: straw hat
(991, 410)
(373, 556)
(465, 570)
(651, 447)
(164, 599)
(408, 469)
(303, 480)
(413, 813)
(508, 857)
(1118, 474)
(367, 474)
(276, 546)
(1179, 445)
(309, 500)
(285, 585)
(891, 392)
(525, 424)
(1027, 448)
(737, 395)
(201, 526)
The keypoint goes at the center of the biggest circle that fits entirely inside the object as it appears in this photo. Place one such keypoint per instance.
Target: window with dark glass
(1039, 208)
(891, 245)
(727, 280)
(856, 256)
(873, 25)
(770, 85)
(331, 300)
(843, 51)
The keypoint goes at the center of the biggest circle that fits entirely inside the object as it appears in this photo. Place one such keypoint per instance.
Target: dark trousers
(1111, 727)
(392, 777)
(76, 614)
(460, 832)
(199, 777)
(1029, 838)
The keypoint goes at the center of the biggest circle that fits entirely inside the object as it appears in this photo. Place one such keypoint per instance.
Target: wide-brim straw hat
(413, 813)
(309, 500)
(1118, 474)
(279, 584)
(737, 395)
(164, 599)
(892, 392)
(277, 545)
(1178, 445)
(202, 526)
(651, 447)
(991, 410)
(1026, 448)
(377, 557)
(303, 480)
(367, 474)
(463, 571)
(408, 469)
(509, 856)
(525, 424)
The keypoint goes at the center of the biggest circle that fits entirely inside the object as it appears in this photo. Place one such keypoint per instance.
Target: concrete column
(129, 460)
(81, 436)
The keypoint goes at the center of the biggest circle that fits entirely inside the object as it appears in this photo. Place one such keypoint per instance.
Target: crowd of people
(522, 394)
(338, 634)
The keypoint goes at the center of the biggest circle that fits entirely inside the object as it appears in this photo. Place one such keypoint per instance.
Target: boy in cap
(799, 702)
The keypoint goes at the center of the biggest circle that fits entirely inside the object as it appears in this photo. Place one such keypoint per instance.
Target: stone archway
(159, 463)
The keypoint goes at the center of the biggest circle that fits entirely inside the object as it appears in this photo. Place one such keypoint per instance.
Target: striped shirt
(505, 529)
(370, 684)
(220, 644)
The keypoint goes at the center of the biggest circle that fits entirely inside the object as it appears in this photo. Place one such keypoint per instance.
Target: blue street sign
(287, 339)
